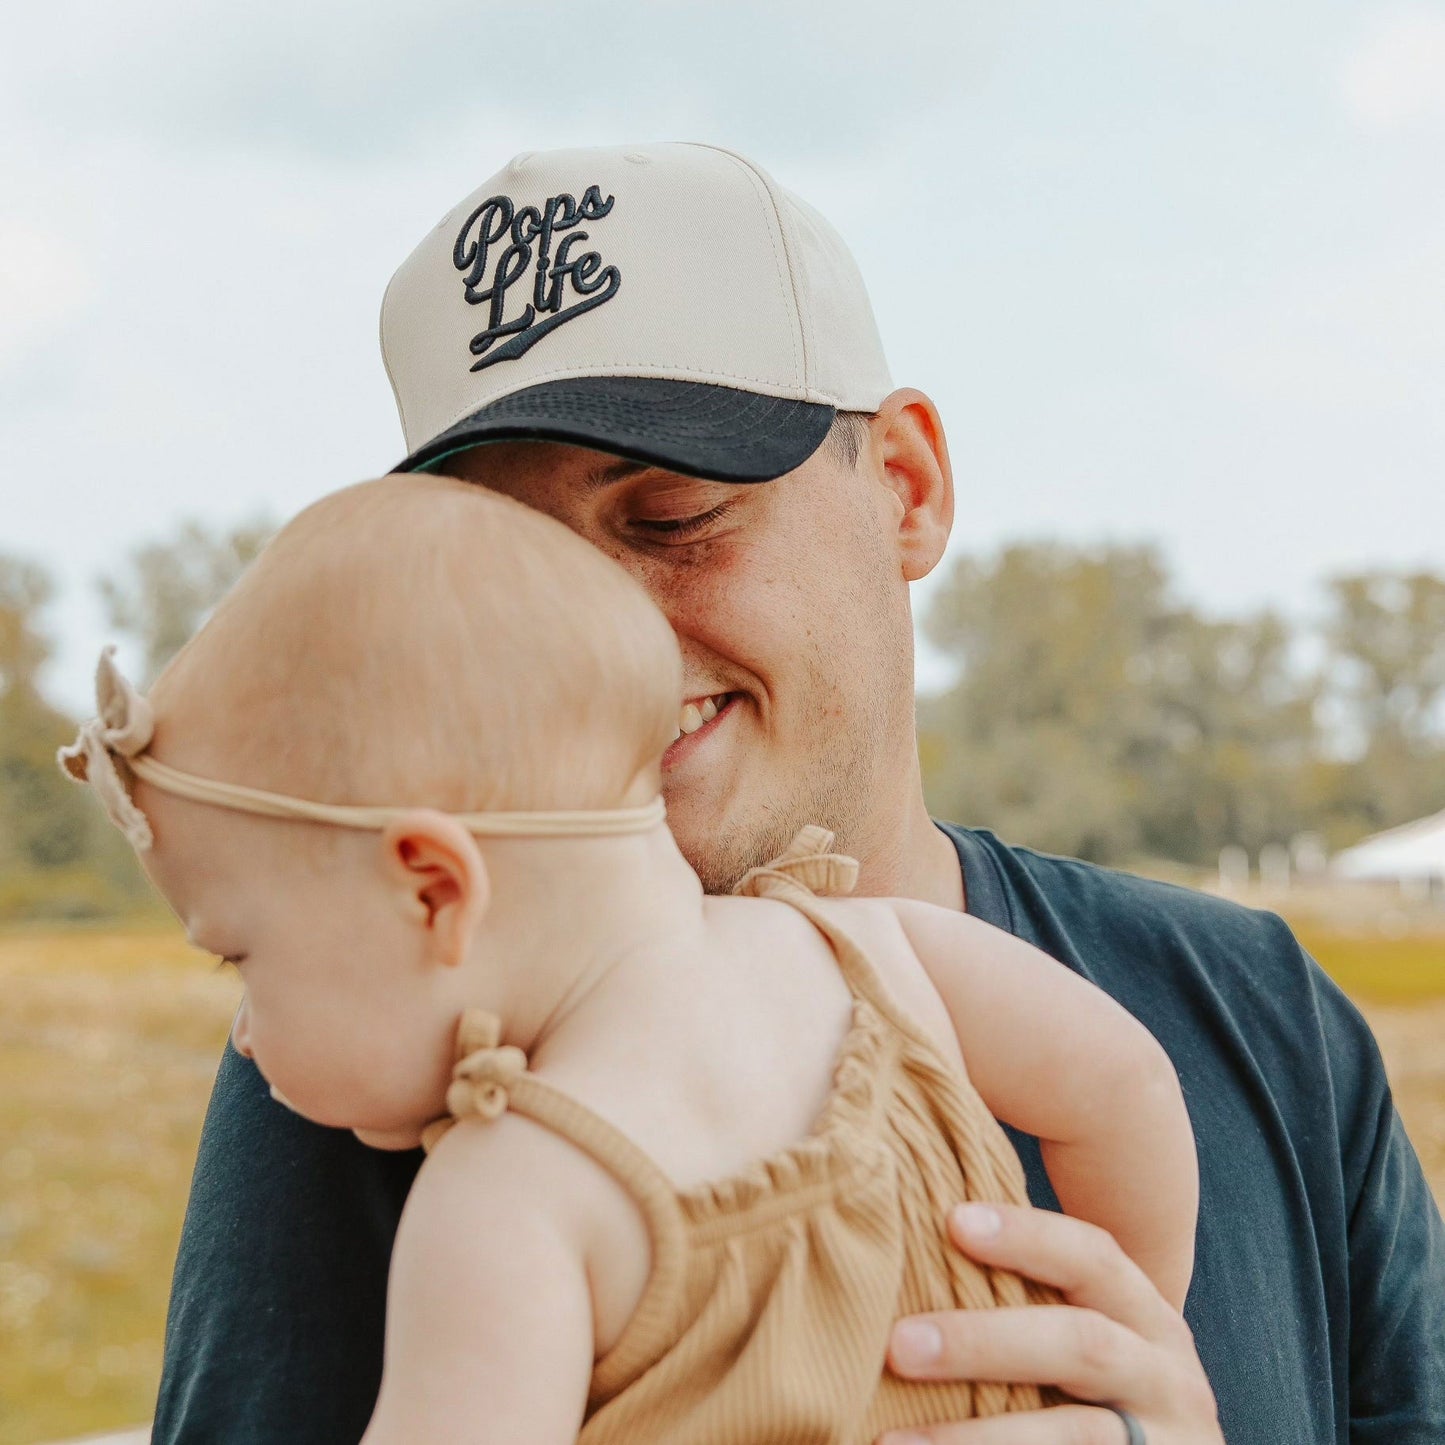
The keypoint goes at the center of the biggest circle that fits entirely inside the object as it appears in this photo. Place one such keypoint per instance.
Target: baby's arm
(1056, 1057)
(489, 1325)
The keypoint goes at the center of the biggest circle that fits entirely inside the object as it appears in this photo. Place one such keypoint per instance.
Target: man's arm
(1059, 1059)
(278, 1301)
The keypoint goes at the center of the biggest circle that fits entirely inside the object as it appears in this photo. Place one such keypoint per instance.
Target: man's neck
(912, 858)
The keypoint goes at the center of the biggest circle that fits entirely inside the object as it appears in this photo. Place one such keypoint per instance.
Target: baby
(700, 1149)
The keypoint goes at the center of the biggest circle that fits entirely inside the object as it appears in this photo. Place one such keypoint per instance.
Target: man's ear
(910, 457)
(442, 881)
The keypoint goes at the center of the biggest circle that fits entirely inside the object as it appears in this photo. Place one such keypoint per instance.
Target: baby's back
(714, 1062)
(804, 1107)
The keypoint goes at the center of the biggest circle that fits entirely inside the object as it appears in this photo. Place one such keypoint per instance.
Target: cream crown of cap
(668, 303)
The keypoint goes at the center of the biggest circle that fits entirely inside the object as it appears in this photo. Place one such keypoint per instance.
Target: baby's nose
(241, 1031)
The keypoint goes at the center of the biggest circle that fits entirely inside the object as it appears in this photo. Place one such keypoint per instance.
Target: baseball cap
(670, 304)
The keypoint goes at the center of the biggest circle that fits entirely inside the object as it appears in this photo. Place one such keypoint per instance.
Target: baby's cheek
(291, 1054)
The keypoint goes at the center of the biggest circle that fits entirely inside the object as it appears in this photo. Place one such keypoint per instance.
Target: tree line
(1093, 712)
(59, 855)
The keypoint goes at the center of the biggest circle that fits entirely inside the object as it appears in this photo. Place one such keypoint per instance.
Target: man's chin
(701, 831)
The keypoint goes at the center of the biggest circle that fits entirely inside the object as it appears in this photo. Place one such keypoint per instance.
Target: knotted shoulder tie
(484, 1071)
(809, 863)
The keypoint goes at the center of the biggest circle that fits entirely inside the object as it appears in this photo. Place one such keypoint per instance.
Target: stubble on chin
(722, 856)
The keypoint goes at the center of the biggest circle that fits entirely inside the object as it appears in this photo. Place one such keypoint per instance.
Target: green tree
(42, 822)
(1386, 639)
(1095, 715)
(59, 855)
(1386, 633)
(25, 589)
(166, 587)
(1239, 733)
(1037, 736)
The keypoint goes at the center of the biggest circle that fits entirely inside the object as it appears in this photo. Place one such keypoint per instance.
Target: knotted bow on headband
(114, 743)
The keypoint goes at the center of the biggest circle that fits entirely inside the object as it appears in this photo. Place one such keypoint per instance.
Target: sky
(1173, 272)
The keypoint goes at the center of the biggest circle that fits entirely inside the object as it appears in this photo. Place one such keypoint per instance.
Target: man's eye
(683, 526)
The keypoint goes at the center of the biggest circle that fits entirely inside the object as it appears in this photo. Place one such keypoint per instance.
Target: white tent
(1414, 852)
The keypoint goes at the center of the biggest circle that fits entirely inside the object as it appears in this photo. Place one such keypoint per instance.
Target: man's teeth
(694, 716)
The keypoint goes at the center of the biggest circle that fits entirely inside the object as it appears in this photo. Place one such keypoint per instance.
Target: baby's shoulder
(483, 1167)
(518, 1180)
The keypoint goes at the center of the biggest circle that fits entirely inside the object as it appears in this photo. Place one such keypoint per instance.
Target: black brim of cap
(685, 426)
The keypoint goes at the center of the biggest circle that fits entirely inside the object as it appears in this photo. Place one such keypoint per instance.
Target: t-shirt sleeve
(278, 1302)
(1396, 1246)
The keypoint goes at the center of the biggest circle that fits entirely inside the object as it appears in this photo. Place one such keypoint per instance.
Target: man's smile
(697, 721)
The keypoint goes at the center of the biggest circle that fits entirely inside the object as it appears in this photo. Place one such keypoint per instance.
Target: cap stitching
(792, 254)
(785, 276)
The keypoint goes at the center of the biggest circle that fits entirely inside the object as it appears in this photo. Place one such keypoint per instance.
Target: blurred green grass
(1376, 968)
(109, 1039)
(108, 1045)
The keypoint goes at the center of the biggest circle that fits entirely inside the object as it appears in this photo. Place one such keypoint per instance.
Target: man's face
(792, 614)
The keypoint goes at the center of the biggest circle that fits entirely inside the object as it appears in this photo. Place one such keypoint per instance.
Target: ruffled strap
(491, 1077)
(809, 863)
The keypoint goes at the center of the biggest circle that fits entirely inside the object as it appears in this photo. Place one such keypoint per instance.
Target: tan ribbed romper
(766, 1316)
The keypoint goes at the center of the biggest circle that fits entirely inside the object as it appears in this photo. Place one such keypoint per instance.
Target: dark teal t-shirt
(1318, 1301)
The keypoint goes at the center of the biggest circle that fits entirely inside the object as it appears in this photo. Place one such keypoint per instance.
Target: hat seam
(773, 224)
(792, 252)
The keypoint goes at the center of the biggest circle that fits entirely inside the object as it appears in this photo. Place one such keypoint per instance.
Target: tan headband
(126, 723)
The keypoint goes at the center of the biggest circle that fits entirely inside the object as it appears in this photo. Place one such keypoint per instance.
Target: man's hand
(1116, 1341)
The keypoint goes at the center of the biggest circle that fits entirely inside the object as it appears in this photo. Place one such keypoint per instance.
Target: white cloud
(44, 287)
(1396, 77)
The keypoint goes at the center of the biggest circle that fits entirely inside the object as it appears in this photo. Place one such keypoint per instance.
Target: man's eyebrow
(615, 471)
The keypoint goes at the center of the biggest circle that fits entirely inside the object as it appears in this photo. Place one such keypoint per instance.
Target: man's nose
(241, 1031)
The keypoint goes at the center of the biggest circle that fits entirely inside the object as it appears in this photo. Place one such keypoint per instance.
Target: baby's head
(424, 641)
(413, 642)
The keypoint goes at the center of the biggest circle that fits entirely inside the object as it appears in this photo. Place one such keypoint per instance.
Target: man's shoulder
(1228, 990)
(1038, 888)
(1179, 958)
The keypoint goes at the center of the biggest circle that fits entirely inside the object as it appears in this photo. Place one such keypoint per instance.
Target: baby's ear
(442, 881)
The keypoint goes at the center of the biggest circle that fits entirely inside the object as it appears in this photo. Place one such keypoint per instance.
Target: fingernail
(978, 1221)
(916, 1342)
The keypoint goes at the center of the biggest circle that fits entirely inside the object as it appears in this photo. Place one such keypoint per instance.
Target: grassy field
(108, 1044)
